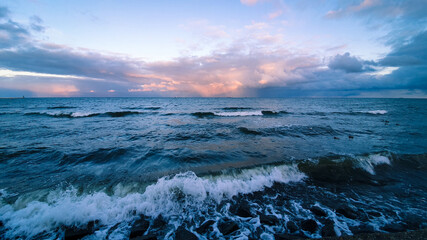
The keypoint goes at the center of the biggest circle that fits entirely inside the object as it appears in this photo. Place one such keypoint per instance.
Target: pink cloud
(45, 89)
(227, 74)
(162, 87)
(364, 5)
(249, 2)
(275, 14)
(204, 28)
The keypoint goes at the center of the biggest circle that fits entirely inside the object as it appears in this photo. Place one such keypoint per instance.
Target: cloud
(278, 6)
(67, 61)
(385, 9)
(207, 30)
(401, 19)
(410, 59)
(404, 67)
(19, 51)
(257, 26)
(12, 33)
(249, 2)
(48, 69)
(362, 6)
(257, 62)
(336, 48)
(4, 12)
(36, 24)
(10, 73)
(231, 70)
(275, 14)
(408, 54)
(346, 63)
(40, 86)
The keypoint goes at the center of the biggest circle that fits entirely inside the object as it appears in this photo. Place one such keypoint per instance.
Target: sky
(206, 48)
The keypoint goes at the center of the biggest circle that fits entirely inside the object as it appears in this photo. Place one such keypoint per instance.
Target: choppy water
(259, 166)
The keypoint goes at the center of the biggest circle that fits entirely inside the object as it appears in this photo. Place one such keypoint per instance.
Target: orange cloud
(49, 89)
(224, 74)
(163, 86)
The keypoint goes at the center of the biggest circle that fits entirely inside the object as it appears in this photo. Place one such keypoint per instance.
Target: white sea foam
(176, 196)
(239, 114)
(81, 114)
(376, 112)
(368, 163)
(5, 194)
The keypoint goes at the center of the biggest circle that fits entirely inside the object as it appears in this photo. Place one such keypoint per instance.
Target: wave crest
(171, 197)
(83, 114)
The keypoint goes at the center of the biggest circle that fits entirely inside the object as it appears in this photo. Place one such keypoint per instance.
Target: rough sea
(211, 168)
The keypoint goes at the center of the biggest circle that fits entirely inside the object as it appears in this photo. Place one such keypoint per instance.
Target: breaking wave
(237, 113)
(256, 202)
(180, 195)
(83, 114)
(375, 112)
(235, 108)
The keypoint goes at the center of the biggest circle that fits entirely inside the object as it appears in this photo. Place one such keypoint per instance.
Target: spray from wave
(173, 197)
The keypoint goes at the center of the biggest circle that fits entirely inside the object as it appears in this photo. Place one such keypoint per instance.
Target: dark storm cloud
(56, 59)
(346, 63)
(405, 21)
(411, 58)
(409, 54)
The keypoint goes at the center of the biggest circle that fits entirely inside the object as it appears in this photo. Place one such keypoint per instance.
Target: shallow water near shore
(225, 168)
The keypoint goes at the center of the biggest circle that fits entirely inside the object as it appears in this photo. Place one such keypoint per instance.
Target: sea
(211, 168)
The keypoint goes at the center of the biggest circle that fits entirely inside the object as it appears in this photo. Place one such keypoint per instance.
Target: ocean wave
(172, 197)
(373, 112)
(50, 114)
(369, 162)
(235, 108)
(121, 114)
(261, 201)
(9, 113)
(60, 107)
(343, 169)
(83, 114)
(249, 131)
(203, 114)
(102, 155)
(292, 130)
(354, 113)
(238, 113)
(381, 112)
(152, 108)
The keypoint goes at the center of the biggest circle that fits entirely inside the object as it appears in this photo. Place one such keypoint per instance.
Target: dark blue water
(65, 162)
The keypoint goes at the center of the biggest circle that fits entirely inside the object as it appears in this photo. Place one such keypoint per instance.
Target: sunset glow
(244, 48)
